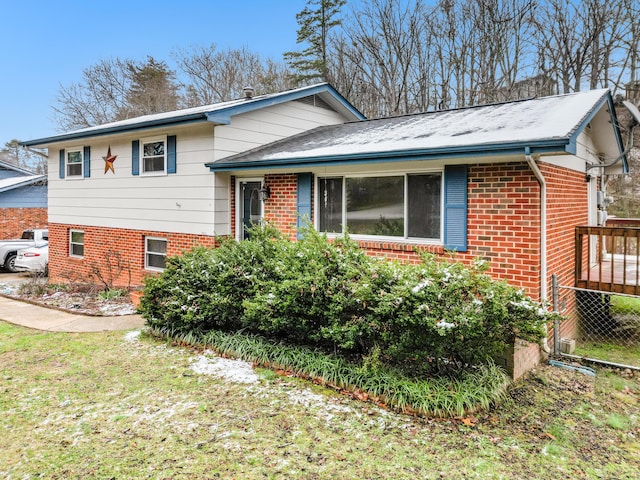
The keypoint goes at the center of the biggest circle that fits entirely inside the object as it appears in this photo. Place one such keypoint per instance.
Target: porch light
(265, 193)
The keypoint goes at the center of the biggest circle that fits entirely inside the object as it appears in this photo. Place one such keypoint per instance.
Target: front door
(251, 206)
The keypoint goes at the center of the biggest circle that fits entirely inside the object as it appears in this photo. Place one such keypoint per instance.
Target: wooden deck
(608, 259)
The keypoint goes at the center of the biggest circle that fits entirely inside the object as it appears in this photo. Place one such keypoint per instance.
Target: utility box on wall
(567, 345)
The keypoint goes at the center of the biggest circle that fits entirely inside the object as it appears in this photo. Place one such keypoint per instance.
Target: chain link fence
(599, 326)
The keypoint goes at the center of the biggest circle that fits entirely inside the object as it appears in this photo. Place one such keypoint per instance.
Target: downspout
(543, 234)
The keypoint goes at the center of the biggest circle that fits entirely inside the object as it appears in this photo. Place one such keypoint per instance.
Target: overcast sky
(46, 43)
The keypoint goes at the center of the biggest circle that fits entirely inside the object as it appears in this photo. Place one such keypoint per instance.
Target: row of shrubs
(435, 315)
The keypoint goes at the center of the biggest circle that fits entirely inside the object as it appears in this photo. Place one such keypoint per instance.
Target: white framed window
(402, 205)
(153, 156)
(76, 243)
(74, 162)
(155, 253)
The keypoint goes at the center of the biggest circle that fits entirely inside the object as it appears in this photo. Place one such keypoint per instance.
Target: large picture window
(155, 253)
(153, 156)
(405, 206)
(74, 163)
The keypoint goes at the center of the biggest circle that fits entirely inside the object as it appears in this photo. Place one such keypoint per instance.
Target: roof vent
(248, 93)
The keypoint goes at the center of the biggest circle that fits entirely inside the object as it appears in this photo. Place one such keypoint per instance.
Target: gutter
(543, 234)
(488, 149)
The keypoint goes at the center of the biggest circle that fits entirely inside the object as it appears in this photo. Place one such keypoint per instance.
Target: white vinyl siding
(268, 125)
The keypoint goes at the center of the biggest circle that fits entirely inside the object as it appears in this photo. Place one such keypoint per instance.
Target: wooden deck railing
(607, 259)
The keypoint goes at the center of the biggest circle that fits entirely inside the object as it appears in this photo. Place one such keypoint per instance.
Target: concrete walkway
(52, 320)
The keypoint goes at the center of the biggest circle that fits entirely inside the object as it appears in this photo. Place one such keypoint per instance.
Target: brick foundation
(108, 251)
(520, 358)
(14, 220)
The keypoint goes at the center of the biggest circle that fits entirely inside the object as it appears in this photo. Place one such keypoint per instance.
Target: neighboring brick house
(23, 200)
(506, 182)
(123, 196)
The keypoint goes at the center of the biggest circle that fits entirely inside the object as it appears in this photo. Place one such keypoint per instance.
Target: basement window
(155, 253)
(76, 243)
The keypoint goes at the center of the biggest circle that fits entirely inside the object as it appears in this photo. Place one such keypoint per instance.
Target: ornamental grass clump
(474, 389)
(436, 317)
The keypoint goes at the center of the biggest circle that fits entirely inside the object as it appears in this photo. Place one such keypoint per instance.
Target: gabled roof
(219, 113)
(10, 166)
(541, 125)
(12, 183)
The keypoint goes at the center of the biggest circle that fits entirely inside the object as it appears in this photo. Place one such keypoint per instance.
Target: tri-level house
(508, 182)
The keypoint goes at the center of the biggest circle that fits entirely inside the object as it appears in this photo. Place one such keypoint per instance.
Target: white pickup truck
(9, 248)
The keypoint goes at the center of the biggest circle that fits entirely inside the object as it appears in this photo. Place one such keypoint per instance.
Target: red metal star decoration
(108, 161)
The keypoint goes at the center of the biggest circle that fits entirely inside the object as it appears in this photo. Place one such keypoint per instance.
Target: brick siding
(504, 223)
(281, 209)
(110, 251)
(567, 196)
(14, 220)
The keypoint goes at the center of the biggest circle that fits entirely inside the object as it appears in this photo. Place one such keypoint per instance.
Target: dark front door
(251, 207)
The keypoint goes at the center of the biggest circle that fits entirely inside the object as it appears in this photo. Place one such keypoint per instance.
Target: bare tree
(98, 98)
(576, 40)
(381, 46)
(216, 76)
(628, 77)
(114, 90)
(32, 160)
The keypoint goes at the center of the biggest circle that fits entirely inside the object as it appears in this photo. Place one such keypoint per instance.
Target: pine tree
(315, 21)
(153, 88)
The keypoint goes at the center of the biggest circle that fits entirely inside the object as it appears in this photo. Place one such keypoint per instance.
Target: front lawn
(116, 405)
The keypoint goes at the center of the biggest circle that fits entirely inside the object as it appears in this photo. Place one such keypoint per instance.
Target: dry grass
(107, 405)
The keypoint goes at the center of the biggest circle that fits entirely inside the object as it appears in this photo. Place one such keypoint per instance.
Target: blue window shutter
(135, 157)
(87, 162)
(304, 200)
(62, 163)
(455, 207)
(171, 154)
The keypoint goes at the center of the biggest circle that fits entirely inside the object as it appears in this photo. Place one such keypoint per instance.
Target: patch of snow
(132, 336)
(115, 309)
(320, 402)
(54, 295)
(8, 288)
(233, 370)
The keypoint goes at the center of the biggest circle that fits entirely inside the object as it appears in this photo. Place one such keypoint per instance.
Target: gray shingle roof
(549, 122)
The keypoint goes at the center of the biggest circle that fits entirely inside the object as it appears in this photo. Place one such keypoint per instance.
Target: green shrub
(433, 316)
(111, 293)
(204, 289)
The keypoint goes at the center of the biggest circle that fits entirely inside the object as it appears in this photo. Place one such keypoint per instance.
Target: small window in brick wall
(76, 243)
(155, 253)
